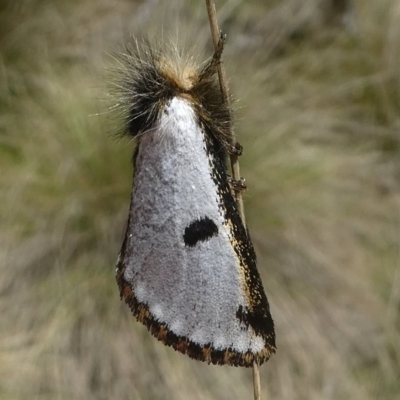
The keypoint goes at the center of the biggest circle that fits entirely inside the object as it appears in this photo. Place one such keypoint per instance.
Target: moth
(187, 267)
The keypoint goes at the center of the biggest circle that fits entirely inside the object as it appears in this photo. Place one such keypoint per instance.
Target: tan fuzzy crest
(182, 76)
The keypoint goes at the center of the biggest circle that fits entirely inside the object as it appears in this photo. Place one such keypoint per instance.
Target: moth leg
(211, 68)
(237, 185)
(235, 149)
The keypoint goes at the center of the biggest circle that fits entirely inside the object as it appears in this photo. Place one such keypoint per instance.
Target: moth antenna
(212, 67)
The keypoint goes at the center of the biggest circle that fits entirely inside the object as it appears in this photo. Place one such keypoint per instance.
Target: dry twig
(212, 14)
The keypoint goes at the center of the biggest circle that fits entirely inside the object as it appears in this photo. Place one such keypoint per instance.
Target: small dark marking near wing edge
(242, 314)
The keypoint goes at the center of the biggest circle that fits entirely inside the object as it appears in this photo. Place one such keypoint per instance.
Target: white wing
(182, 266)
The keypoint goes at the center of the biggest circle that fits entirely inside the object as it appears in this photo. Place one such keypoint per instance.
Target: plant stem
(212, 15)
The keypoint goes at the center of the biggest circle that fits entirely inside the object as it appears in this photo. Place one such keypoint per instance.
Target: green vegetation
(318, 114)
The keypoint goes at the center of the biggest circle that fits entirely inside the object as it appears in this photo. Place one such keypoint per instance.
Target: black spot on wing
(199, 230)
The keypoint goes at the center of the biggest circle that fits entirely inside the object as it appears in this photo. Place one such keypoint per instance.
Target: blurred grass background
(318, 115)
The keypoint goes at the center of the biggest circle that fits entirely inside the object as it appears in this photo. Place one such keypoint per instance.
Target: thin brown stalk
(212, 15)
(256, 381)
(215, 32)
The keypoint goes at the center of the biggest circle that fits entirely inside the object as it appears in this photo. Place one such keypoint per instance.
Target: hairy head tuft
(151, 75)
